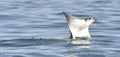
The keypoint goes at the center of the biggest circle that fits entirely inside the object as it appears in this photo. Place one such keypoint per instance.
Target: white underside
(78, 29)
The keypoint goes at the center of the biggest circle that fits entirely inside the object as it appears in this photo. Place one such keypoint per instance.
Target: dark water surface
(37, 28)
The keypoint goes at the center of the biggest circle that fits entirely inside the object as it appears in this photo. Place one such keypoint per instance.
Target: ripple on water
(29, 42)
(22, 19)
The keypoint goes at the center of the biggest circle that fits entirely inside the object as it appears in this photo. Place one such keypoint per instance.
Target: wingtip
(64, 12)
(68, 16)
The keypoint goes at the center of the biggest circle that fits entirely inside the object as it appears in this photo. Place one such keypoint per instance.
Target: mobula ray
(79, 28)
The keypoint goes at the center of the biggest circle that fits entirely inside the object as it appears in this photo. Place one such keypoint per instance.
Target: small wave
(29, 42)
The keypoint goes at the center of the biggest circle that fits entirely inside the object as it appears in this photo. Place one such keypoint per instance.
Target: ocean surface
(38, 28)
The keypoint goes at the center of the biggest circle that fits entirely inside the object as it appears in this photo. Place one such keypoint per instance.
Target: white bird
(79, 28)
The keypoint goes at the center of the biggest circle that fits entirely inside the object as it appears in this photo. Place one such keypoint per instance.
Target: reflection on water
(82, 48)
(85, 43)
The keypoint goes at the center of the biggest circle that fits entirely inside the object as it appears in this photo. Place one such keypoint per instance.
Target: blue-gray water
(37, 28)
